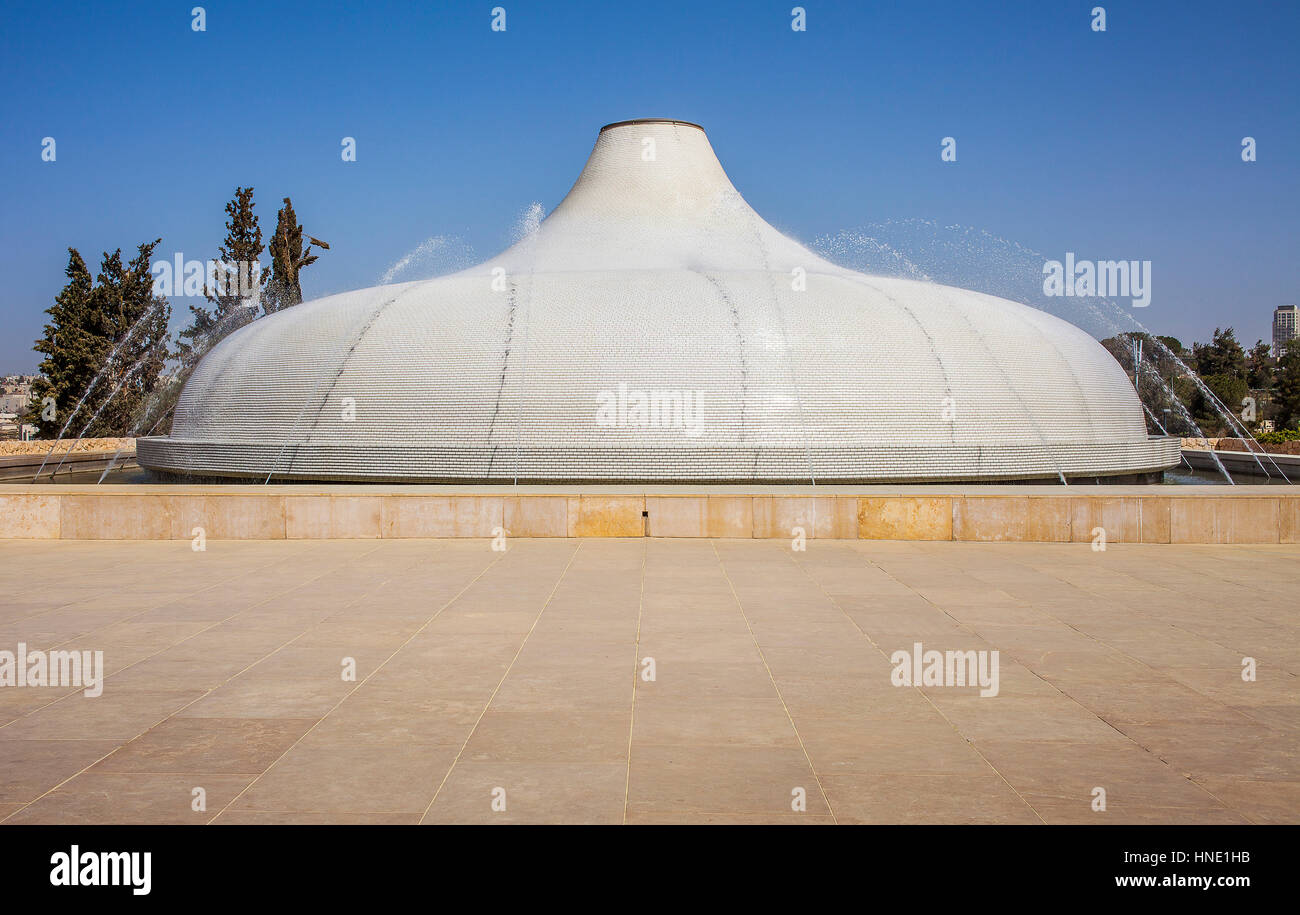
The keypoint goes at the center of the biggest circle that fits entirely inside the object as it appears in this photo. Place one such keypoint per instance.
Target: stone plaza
(651, 680)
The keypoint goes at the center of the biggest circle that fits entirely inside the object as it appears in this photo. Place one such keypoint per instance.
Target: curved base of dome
(900, 464)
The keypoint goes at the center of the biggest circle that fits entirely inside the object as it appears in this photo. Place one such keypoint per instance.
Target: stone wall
(66, 446)
(1237, 444)
(1190, 514)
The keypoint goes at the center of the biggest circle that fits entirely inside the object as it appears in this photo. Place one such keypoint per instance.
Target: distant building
(1286, 326)
(15, 403)
(15, 394)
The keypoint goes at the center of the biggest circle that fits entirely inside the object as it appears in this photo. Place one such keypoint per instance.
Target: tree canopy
(105, 348)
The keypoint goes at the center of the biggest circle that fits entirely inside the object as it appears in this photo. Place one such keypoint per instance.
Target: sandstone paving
(652, 680)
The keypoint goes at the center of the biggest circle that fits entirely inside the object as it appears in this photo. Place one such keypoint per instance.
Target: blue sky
(1124, 144)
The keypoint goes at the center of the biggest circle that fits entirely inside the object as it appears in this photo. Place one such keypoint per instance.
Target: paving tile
(267, 697)
(924, 799)
(1057, 814)
(756, 723)
(29, 768)
(1055, 771)
(230, 817)
(132, 798)
(551, 736)
(367, 719)
(694, 818)
(883, 747)
(692, 681)
(208, 745)
(1245, 748)
(720, 779)
(564, 793)
(118, 714)
(351, 779)
(1261, 801)
(1019, 717)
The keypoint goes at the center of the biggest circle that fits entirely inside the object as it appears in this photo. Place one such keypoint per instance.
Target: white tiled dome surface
(654, 275)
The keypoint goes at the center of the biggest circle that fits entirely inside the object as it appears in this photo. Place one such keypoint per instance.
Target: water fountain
(140, 322)
(977, 259)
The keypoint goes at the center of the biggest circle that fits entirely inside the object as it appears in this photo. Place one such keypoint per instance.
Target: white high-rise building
(1286, 326)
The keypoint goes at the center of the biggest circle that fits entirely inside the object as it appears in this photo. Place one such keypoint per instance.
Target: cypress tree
(288, 257)
(239, 280)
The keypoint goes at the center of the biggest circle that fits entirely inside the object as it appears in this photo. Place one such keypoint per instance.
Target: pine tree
(73, 351)
(288, 257)
(114, 331)
(1173, 343)
(1222, 357)
(1287, 392)
(136, 322)
(1221, 364)
(239, 281)
(1259, 366)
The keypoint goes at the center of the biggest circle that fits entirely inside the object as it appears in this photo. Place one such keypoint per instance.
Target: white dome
(653, 283)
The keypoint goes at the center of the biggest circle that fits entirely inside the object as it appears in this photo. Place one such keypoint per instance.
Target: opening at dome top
(651, 121)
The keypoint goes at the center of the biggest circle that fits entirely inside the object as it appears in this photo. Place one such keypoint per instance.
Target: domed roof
(656, 328)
